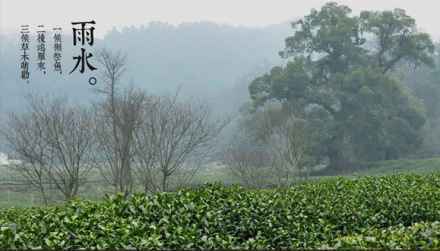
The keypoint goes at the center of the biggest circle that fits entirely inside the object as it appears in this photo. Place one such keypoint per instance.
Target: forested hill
(204, 59)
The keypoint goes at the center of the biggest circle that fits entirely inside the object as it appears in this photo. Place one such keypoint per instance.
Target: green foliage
(391, 211)
(426, 235)
(398, 39)
(424, 82)
(341, 63)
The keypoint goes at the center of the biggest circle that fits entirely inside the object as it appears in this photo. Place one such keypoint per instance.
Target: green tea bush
(419, 235)
(369, 212)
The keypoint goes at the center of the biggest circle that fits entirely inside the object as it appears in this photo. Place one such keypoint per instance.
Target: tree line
(130, 137)
(339, 100)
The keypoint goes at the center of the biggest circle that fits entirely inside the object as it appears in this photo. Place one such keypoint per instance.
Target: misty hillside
(205, 60)
(322, 134)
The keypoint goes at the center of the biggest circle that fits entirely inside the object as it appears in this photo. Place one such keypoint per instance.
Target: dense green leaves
(341, 63)
(368, 212)
(418, 235)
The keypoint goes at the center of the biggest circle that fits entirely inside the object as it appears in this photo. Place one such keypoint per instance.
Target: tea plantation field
(397, 211)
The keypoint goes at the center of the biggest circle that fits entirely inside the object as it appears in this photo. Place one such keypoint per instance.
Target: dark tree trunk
(164, 182)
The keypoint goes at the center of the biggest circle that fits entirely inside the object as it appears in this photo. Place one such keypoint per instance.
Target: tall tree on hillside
(341, 63)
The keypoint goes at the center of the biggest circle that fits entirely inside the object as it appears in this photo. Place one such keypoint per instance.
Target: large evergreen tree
(340, 64)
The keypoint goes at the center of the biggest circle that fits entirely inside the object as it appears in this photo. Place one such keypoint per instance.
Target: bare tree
(289, 147)
(118, 118)
(24, 136)
(115, 131)
(145, 157)
(167, 133)
(173, 135)
(284, 136)
(71, 139)
(248, 161)
(53, 141)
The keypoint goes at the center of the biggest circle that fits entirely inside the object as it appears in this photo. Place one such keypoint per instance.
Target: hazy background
(210, 49)
(232, 12)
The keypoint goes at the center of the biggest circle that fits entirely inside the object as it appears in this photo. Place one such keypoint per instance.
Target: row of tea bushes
(332, 213)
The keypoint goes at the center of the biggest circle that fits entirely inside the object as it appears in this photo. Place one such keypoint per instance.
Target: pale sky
(109, 13)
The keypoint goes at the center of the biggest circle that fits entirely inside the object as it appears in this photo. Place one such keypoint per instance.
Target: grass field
(419, 166)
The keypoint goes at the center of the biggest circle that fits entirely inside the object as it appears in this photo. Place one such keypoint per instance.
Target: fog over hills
(205, 60)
